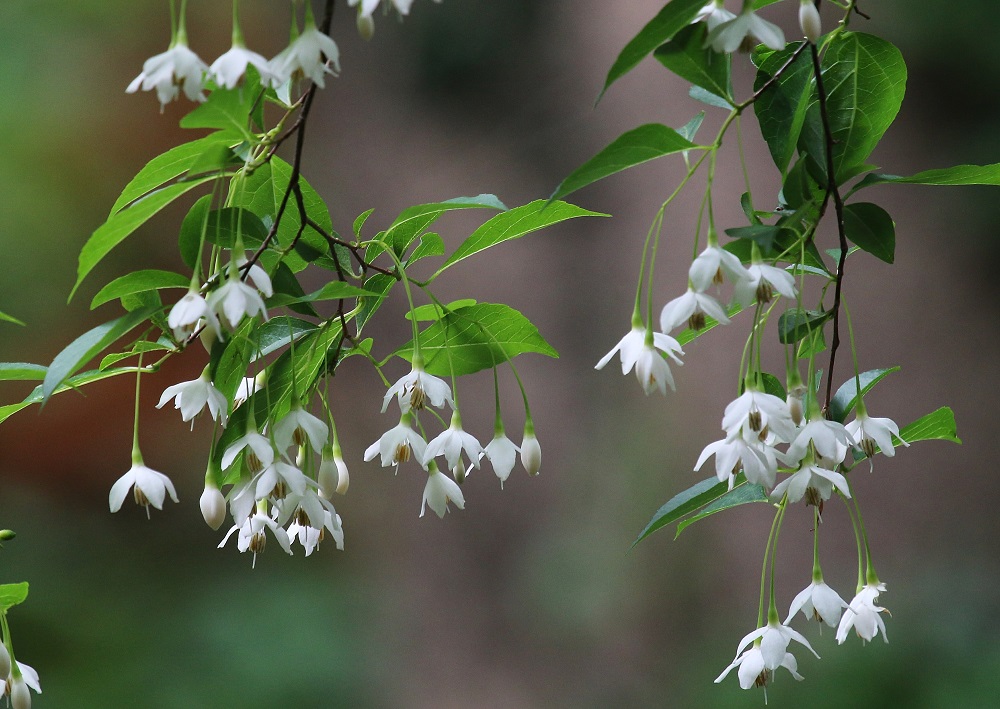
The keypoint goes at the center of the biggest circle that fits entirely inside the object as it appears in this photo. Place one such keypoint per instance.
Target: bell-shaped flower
(177, 68)
(713, 14)
(188, 312)
(830, 439)
(734, 453)
(531, 450)
(259, 452)
(299, 426)
(755, 412)
(870, 433)
(863, 615)
(761, 283)
(279, 479)
(252, 535)
(769, 652)
(255, 274)
(229, 69)
(17, 686)
(451, 442)
(191, 397)
(398, 444)
(234, 300)
(744, 30)
(814, 483)
(817, 601)
(713, 266)
(691, 308)
(502, 453)
(213, 506)
(148, 487)
(651, 369)
(310, 537)
(439, 491)
(418, 388)
(311, 54)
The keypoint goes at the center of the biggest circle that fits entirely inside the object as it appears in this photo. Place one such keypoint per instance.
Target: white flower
(234, 299)
(368, 6)
(151, 487)
(166, 72)
(256, 275)
(299, 426)
(812, 482)
(809, 20)
(191, 397)
(259, 452)
(4, 662)
(869, 432)
(451, 442)
(416, 389)
(531, 452)
(502, 453)
(310, 537)
(333, 475)
(713, 265)
(439, 491)
(713, 14)
(651, 369)
(830, 439)
(730, 35)
(248, 387)
(252, 537)
(229, 69)
(186, 314)
(213, 506)
(398, 444)
(761, 283)
(757, 665)
(733, 454)
(755, 411)
(818, 601)
(20, 698)
(691, 308)
(306, 56)
(863, 615)
(277, 479)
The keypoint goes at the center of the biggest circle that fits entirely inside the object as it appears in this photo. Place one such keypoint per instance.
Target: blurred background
(528, 597)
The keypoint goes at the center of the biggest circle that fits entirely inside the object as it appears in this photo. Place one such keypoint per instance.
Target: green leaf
(795, 324)
(635, 147)
(138, 282)
(189, 238)
(431, 311)
(682, 504)
(514, 224)
(224, 224)
(226, 110)
(708, 98)
(122, 224)
(21, 372)
(360, 222)
(11, 594)
(811, 345)
(163, 168)
(278, 332)
(687, 56)
(740, 495)
(781, 109)
(161, 345)
(86, 346)
(957, 175)
(288, 291)
(846, 398)
(412, 221)
(763, 235)
(674, 17)
(871, 228)
(74, 382)
(773, 385)
(865, 79)
(687, 335)
(474, 338)
(380, 284)
(938, 425)
(431, 244)
(4, 317)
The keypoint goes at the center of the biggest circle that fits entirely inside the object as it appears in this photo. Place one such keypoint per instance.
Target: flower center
(279, 491)
(252, 462)
(299, 436)
(868, 446)
(697, 320)
(257, 542)
(417, 397)
(764, 292)
(140, 497)
(402, 453)
(754, 419)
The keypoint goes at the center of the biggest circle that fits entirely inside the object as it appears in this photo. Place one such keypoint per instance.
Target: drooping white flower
(229, 69)
(863, 615)
(311, 54)
(398, 444)
(367, 7)
(20, 697)
(150, 487)
(299, 426)
(213, 506)
(175, 69)
(252, 536)
(235, 299)
(186, 314)
(416, 389)
(757, 664)
(817, 601)
(191, 397)
(691, 308)
(755, 411)
(830, 439)
(256, 275)
(761, 284)
(531, 451)
(502, 453)
(713, 14)
(869, 432)
(651, 369)
(278, 479)
(812, 482)
(451, 442)
(259, 452)
(730, 35)
(713, 265)
(809, 20)
(310, 537)
(734, 453)
(439, 491)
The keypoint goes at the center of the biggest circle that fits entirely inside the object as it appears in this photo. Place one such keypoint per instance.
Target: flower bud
(207, 336)
(531, 453)
(6, 535)
(4, 661)
(213, 506)
(366, 26)
(20, 698)
(809, 21)
(333, 476)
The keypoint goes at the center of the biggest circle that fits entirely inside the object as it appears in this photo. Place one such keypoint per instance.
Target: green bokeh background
(527, 598)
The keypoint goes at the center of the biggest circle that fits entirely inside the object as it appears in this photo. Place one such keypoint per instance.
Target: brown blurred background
(527, 598)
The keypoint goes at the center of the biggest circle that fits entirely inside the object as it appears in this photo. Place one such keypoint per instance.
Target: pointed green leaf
(431, 244)
(11, 594)
(635, 147)
(10, 318)
(226, 110)
(795, 324)
(514, 224)
(938, 425)
(137, 282)
(781, 109)
(74, 382)
(957, 175)
(674, 17)
(740, 495)
(687, 56)
(412, 221)
(684, 503)
(871, 228)
(21, 371)
(846, 398)
(431, 311)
